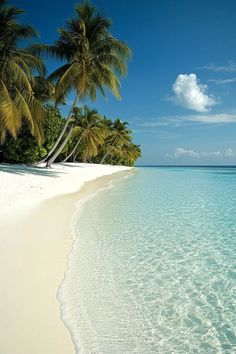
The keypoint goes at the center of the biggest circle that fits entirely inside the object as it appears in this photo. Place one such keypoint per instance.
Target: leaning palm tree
(17, 99)
(87, 129)
(119, 135)
(94, 60)
(89, 132)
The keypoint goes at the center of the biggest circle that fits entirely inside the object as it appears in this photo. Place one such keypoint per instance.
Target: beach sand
(36, 206)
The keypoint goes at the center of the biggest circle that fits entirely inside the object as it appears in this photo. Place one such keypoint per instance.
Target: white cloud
(183, 152)
(190, 94)
(217, 118)
(210, 153)
(229, 68)
(229, 152)
(153, 124)
(180, 152)
(223, 81)
(178, 120)
(209, 118)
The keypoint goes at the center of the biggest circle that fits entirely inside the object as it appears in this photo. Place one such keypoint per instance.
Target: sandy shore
(36, 205)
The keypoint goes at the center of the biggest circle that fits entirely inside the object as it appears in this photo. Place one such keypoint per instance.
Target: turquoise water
(153, 265)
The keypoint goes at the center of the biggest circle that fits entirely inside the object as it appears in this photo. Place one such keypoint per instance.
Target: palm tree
(119, 135)
(94, 60)
(17, 99)
(136, 152)
(89, 132)
(129, 153)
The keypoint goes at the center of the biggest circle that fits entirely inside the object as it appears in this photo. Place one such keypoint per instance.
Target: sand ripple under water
(153, 265)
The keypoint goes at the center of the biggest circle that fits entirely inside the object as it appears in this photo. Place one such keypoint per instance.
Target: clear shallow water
(153, 266)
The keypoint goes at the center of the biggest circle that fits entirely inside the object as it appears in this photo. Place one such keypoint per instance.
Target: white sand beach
(36, 205)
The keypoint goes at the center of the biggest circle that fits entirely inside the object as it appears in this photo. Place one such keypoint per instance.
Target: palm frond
(10, 116)
(34, 62)
(24, 109)
(58, 73)
(107, 77)
(20, 76)
(68, 79)
(48, 50)
(38, 114)
(26, 31)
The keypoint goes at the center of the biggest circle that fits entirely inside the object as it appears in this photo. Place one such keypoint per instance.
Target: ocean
(152, 269)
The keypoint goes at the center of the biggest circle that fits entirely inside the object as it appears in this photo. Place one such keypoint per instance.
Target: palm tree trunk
(68, 120)
(108, 152)
(75, 156)
(72, 152)
(105, 156)
(61, 147)
(116, 161)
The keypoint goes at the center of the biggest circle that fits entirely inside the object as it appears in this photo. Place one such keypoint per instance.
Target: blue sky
(180, 92)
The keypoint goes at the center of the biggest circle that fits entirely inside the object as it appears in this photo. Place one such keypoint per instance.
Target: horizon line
(149, 165)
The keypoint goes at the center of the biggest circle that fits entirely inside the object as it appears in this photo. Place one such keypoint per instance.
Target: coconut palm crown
(17, 65)
(89, 131)
(94, 58)
(118, 136)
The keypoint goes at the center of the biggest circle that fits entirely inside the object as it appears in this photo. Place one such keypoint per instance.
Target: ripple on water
(153, 266)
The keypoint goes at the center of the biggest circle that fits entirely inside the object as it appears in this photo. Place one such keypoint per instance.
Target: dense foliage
(25, 148)
(92, 140)
(93, 59)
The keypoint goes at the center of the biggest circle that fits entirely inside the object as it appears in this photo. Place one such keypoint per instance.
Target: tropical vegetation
(32, 129)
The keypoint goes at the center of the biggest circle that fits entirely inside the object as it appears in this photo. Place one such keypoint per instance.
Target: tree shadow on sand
(24, 170)
(72, 164)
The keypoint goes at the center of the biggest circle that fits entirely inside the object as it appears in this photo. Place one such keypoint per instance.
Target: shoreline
(85, 196)
(36, 244)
